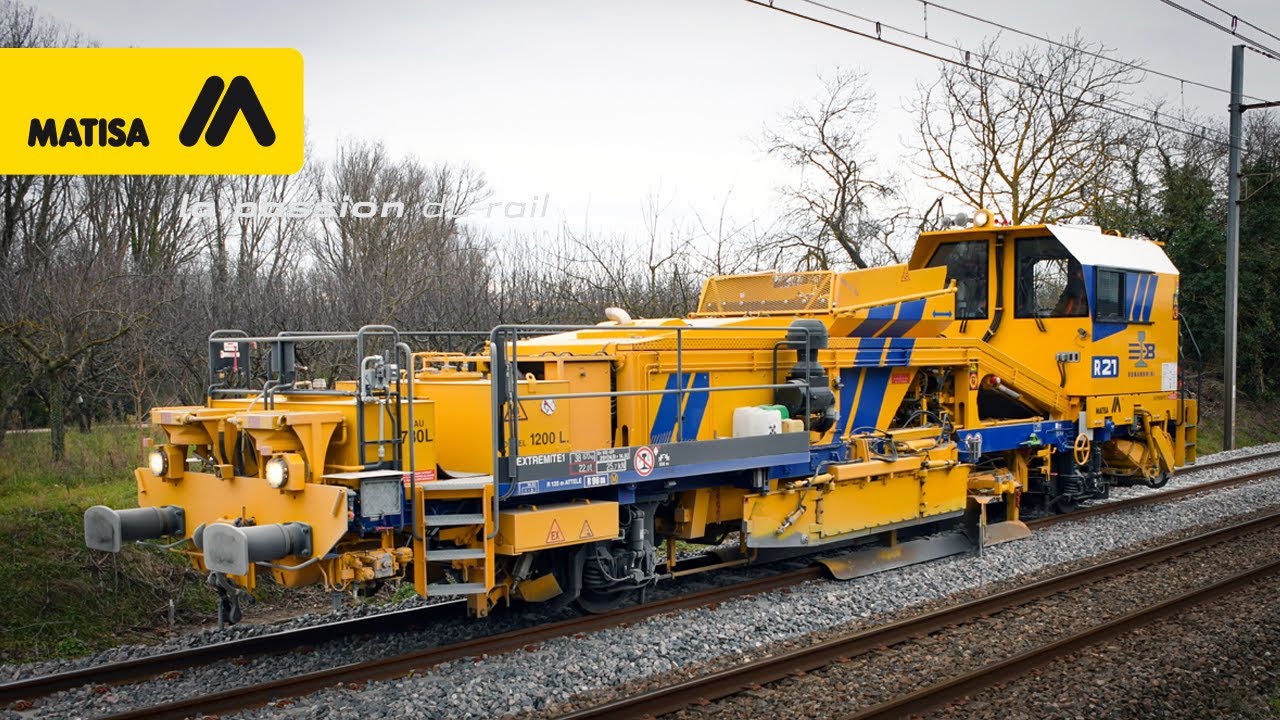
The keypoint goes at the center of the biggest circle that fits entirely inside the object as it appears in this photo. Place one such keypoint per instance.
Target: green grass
(60, 598)
(1254, 426)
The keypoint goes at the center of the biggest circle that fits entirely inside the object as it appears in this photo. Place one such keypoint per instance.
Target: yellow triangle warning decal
(555, 535)
(586, 531)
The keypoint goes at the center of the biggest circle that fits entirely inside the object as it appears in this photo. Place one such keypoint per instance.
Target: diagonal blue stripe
(1150, 299)
(877, 319)
(664, 422)
(899, 352)
(908, 318)
(848, 388)
(872, 398)
(695, 407)
(1132, 281)
(869, 352)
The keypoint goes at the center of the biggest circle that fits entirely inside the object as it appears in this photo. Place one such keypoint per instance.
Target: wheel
(600, 592)
(1158, 481)
(1064, 504)
(598, 603)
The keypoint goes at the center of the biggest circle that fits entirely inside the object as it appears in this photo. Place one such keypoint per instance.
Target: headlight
(981, 218)
(158, 461)
(277, 472)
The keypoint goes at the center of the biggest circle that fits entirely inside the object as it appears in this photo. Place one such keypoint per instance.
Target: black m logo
(239, 98)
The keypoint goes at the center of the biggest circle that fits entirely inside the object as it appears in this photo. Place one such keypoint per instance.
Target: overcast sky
(600, 104)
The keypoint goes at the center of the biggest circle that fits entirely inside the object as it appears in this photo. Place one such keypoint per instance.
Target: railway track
(399, 621)
(671, 698)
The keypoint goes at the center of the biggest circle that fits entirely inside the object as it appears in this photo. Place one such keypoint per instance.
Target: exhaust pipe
(107, 529)
(232, 550)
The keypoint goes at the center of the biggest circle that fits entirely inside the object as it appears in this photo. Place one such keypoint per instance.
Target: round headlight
(158, 461)
(981, 218)
(277, 472)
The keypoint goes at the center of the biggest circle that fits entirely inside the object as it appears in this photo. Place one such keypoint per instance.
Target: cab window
(1049, 281)
(966, 263)
(1108, 293)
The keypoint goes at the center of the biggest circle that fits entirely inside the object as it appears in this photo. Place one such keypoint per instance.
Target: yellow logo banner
(108, 111)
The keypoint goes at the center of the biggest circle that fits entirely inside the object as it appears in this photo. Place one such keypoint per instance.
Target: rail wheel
(1158, 480)
(606, 582)
(1064, 504)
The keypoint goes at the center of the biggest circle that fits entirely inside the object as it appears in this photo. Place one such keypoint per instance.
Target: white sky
(601, 104)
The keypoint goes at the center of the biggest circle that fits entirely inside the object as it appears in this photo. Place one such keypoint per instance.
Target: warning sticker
(973, 380)
(555, 534)
(899, 377)
(420, 477)
(586, 531)
(645, 461)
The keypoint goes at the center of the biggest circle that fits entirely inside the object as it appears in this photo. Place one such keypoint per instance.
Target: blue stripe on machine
(909, 315)
(1149, 300)
(664, 422)
(695, 407)
(869, 352)
(871, 398)
(848, 388)
(1132, 282)
(877, 319)
(899, 352)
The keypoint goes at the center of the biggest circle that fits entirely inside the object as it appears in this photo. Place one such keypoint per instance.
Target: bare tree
(1040, 149)
(421, 267)
(833, 210)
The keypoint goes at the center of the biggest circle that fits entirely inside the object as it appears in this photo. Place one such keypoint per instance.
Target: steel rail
(1002, 672)
(399, 665)
(772, 668)
(1155, 498)
(275, 643)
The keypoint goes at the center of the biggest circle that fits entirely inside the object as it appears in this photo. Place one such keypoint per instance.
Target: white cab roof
(1091, 247)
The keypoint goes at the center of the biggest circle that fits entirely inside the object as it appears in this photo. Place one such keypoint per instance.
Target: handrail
(504, 383)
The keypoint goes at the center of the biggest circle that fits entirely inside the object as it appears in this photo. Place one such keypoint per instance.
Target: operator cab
(1098, 309)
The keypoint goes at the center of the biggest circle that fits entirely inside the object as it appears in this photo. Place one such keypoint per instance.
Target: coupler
(107, 529)
(232, 550)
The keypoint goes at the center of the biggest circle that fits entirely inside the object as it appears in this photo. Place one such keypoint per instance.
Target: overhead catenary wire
(1100, 56)
(1132, 105)
(1249, 42)
(1236, 18)
(990, 73)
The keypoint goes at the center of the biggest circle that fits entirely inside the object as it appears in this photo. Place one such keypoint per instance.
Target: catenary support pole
(1233, 253)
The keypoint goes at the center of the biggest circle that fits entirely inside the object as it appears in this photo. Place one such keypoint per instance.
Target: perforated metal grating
(767, 294)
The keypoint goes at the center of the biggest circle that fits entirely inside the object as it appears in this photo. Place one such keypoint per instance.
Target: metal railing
(283, 380)
(504, 360)
(504, 374)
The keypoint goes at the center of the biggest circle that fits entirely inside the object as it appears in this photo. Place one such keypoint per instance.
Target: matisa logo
(240, 99)
(83, 131)
(151, 111)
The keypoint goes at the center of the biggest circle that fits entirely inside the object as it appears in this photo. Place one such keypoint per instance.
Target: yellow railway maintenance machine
(879, 409)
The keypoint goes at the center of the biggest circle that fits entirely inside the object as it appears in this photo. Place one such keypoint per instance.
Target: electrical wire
(1236, 18)
(1251, 43)
(1100, 56)
(984, 71)
(1135, 106)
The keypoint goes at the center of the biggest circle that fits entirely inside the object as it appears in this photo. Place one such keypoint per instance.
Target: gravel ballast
(1220, 659)
(545, 677)
(880, 676)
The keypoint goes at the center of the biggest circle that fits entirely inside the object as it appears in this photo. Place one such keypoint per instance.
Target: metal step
(475, 483)
(439, 589)
(452, 520)
(455, 554)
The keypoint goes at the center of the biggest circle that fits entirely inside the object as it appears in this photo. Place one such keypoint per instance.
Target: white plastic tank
(751, 421)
